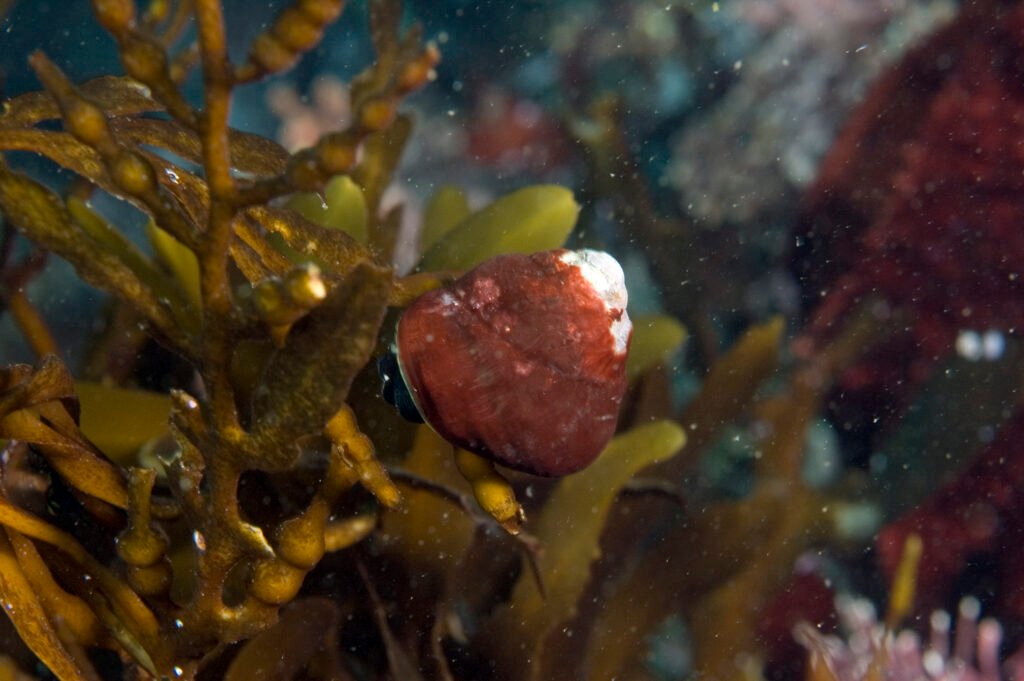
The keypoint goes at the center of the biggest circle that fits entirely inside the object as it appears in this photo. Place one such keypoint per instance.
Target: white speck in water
(975, 347)
(199, 539)
(993, 344)
(968, 345)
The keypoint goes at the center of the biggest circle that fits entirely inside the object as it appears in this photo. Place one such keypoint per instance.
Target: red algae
(918, 205)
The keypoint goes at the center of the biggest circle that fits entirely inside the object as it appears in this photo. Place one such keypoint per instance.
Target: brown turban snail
(521, 360)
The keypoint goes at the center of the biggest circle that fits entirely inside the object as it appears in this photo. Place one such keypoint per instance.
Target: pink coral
(869, 651)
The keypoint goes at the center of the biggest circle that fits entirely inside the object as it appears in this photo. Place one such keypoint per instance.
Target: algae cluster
(128, 520)
(268, 516)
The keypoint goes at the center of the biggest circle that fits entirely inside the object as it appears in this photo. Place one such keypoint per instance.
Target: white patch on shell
(449, 305)
(604, 274)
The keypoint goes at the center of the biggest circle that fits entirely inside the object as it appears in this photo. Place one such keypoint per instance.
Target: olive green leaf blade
(31, 621)
(731, 384)
(41, 408)
(21, 387)
(120, 420)
(385, 16)
(42, 216)
(250, 153)
(180, 260)
(74, 459)
(64, 150)
(445, 210)
(655, 337)
(570, 530)
(117, 96)
(308, 379)
(342, 207)
(76, 617)
(283, 650)
(532, 219)
(122, 611)
(332, 249)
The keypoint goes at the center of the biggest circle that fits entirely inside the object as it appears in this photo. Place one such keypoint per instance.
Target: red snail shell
(522, 359)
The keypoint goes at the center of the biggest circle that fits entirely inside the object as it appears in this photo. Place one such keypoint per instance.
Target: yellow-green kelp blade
(570, 530)
(343, 207)
(532, 219)
(139, 415)
(445, 210)
(655, 337)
